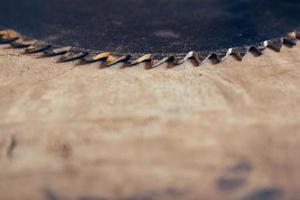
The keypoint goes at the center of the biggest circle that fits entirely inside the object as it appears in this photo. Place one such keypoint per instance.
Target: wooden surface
(227, 131)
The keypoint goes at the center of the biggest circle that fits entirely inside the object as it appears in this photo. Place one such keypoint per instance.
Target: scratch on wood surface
(11, 147)
(66, 151)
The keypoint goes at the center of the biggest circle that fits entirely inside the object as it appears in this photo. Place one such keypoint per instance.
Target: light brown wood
(227, 131)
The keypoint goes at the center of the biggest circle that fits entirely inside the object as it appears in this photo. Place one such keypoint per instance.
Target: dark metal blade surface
(156, 26)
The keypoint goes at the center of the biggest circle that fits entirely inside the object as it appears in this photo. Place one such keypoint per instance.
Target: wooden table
(226, 131)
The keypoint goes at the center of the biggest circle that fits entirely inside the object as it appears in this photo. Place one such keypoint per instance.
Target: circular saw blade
(161, 27)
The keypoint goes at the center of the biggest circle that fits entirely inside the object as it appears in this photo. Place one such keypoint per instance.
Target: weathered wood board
(226, 131)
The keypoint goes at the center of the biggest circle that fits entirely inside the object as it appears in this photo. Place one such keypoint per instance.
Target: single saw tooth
(275, 44)
(292, 34)
(223, 55)
(22, 43)
(168, 60)
(289, 41)
(147, 58)
(204, 57)
(91, 58)
(215, 57)
(8, 36)
(257, 50)
(37, 48)
(72, 55)
(55, 51)
(228, 53)
(239, 53)
(5, 40)
(113, 60)
(192, 55)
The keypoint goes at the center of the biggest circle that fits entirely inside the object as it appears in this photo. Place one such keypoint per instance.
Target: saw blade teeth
(112, 60)
(169, 60)
(91, 58)
(37, 48)
(192, 55)
(69, 53)
(72, 55)
(147, 58)
(55, 51)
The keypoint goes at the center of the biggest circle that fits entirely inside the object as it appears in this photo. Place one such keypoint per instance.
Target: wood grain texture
(227, 131)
